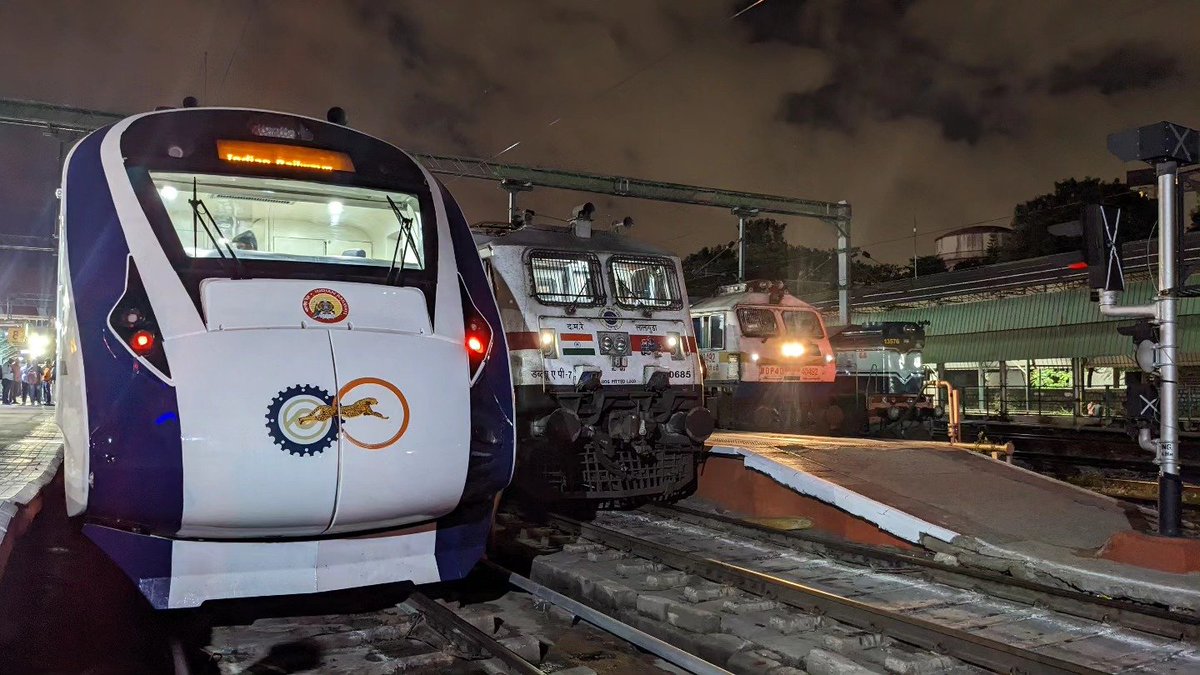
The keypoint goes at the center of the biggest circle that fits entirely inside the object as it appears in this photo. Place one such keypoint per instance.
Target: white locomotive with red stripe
(608, 384)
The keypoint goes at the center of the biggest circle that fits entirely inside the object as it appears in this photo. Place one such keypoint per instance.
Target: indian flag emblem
(577, 344)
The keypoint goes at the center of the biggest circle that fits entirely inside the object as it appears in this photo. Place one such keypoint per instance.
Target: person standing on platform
(7, 376)
(33, 378)
(47, 383)
(18, 385)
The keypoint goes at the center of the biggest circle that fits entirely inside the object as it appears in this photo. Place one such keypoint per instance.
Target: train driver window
(644, 282)
(716, 331)
(280, 219)
(803, 324)
(757, 322)
(566, 278)
(710, 331)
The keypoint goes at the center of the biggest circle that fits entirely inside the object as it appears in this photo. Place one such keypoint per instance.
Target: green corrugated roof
(1045, 325)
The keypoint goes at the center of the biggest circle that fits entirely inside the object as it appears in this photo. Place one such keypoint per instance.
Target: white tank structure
(969, 243)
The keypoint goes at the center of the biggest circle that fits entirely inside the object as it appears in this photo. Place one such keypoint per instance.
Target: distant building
(969, 243)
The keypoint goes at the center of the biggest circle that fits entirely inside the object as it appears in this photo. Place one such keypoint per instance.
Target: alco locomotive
(881, 380)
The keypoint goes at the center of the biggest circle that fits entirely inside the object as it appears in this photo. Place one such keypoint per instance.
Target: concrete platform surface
(985, 512)
(30, 454)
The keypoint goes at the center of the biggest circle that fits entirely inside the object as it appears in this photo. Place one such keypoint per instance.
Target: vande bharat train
(274, 371)
(608, 387)
(881, 381)
(768, 361)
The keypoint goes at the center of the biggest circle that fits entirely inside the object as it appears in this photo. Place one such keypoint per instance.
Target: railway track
(879, 610)
(495, 622)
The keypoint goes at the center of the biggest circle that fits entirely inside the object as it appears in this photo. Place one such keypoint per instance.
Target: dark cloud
(1113, 70)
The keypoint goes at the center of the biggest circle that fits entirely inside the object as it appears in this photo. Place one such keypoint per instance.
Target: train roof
(728, 301)
(563, 238)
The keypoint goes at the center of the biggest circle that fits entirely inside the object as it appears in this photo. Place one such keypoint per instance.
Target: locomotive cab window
(802, 324)
(710, 331)
(644, 283)
(257, 218)
(565, 278)
(758, 322)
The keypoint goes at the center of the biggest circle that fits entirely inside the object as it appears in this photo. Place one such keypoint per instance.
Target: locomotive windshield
(803, 324)
(565, 278)
(291, 220)
(644, 283)
(758, 322)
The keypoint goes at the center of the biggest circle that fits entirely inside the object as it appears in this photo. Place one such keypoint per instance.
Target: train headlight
(675, 343)
(829, 358)
(793, 349)
(548, 339)
(754, 357)
(621, 345)
(606, 344)
(916, 359)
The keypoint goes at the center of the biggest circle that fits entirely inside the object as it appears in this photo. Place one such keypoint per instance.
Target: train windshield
(803, 324)
(644, 283)
(758, 322)
(291, 220)
(566, 278)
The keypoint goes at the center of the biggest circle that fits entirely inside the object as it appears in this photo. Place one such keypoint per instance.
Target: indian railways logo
(325, 305)
(611, 318)
(369, 412)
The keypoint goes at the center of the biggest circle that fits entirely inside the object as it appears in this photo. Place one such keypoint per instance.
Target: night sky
(949, 112)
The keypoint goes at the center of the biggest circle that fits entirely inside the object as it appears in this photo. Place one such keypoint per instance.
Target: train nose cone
(699, 424)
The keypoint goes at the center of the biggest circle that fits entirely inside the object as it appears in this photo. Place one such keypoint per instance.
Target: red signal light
(1077, 266)
(142, 342)
(475, 344)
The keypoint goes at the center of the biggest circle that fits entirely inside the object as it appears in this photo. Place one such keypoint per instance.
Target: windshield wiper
(199, 212)
(573, 305)
(405, 226)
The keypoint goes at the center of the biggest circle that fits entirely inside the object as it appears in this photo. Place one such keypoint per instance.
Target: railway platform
(966, 507)
(30, 454)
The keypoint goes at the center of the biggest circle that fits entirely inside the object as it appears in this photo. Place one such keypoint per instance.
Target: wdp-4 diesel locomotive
(608, 388)
(767, 358)
(274, 371)
(881, 380)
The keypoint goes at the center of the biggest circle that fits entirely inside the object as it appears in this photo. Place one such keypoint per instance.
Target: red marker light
(475, 344)
(1077, 266)
(142, 342)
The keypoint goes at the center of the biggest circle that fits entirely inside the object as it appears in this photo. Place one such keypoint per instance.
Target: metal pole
(743, 215)
(512, 187)
(741, 248)
(1170, 491)
(843, 262)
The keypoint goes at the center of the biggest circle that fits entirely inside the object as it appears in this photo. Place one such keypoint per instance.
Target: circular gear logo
(303, 420)
(325, 305)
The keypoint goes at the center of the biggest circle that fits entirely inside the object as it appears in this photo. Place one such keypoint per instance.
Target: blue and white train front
(274, 373)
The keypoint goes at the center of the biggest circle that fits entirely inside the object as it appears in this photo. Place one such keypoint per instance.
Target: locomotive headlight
(606, 344)
(916, 359)
(754, 357)
(675, 344)
(793, 349)
(548, 338)
(621, 345)
(829, 358)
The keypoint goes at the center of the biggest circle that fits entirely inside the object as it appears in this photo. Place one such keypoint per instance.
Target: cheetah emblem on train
(361, 408)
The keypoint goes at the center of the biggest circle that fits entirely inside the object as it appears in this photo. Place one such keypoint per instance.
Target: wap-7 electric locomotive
(273, 359)
(767, 359)
(608, 388)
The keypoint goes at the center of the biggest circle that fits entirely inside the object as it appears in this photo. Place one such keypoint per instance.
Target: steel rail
(444, 619)
(979, 651)
(1153, 620)
(664, 650)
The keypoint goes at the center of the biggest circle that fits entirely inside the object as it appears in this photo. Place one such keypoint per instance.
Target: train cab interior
(275, 219)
